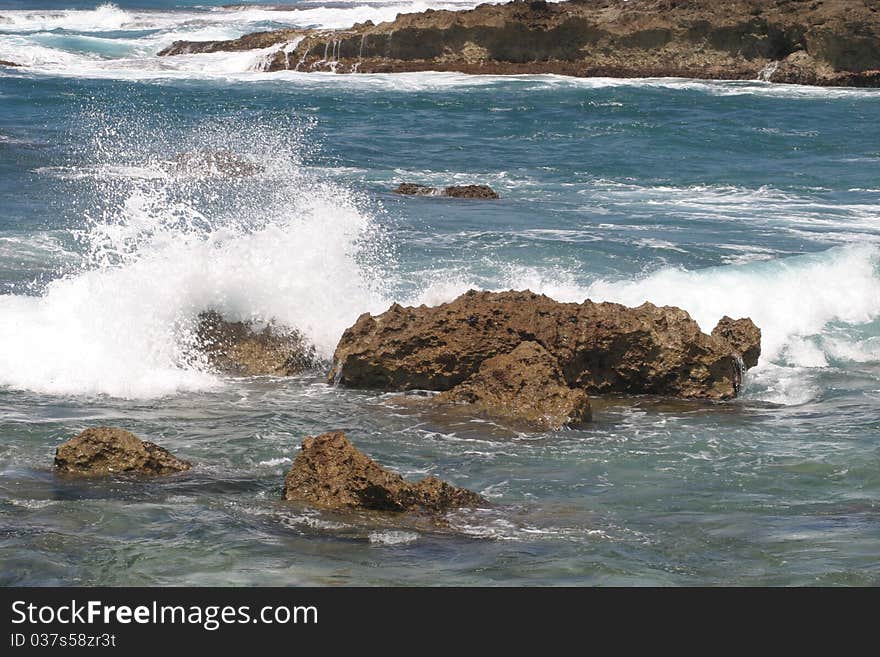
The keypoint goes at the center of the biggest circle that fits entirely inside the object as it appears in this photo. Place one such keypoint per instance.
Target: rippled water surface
(737, 198)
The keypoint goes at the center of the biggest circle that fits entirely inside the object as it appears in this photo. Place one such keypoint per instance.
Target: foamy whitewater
(724, 198)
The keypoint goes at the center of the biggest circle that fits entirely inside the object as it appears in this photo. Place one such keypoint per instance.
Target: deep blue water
(737, 198)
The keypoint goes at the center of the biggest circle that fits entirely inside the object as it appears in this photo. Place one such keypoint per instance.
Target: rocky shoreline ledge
(814, 42)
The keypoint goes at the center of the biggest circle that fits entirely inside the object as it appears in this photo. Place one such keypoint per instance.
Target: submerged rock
(331, 473)
(743, 337)
(600, 347)
(524, 387)
(108, 450)
(241, 349)
(748, 39)
(454, 191)
(214, 163)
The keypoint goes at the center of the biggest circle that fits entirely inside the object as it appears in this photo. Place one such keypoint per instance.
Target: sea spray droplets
(282, 245)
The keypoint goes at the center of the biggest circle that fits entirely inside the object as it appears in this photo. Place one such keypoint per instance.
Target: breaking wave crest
(157, 250)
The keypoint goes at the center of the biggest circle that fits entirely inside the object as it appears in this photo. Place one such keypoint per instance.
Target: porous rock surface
(599, 347)
(107, 450)
(331, 473)
(816, 42)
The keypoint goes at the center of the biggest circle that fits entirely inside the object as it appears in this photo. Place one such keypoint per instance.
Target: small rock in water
(471, 191)
(331, 473)
(107, 450)
(3, 62)
(525, 386)
(215, 163)
(454, 191)
(238, 348)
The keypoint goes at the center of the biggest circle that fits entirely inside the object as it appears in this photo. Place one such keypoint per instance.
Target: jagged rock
(454, 191)
(524, 387)
(601, 347)
(253, 41)
(743, 337)
(412, 189)
(331, 473)
(241, 349)
(639, 38)
(471, 191)
(214, 163)
(107, 450)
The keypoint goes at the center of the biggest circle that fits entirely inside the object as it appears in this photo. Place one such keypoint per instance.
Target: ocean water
(737, 198)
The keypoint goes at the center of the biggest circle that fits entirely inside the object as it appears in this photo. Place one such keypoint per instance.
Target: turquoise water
(737, 198)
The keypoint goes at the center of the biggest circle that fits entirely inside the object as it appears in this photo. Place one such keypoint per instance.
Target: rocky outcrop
(331, 473)
(106, 450)
(454, 191)
(241, 349)
(253, 41)
(600, 347)
(829, 42)
(214, 163)
(525, 387)
(3, 62)
(743, 337)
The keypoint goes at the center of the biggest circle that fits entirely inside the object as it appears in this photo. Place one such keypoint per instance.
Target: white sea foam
(271, 463)
(392, 537)
(123, 325)
(122, 330)
(105, 17)
(711, 87)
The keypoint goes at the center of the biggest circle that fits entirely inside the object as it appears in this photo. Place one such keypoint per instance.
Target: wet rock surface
(453, 191)
(833, 42)
(243, 349)
(600, 347)
(253, 41)
(3, 62)
(214, 163)
(743, 337)
(331, 473)
(525, 387)
(102, 451)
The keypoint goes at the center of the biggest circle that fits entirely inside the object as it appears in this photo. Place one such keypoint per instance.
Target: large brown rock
(107, 450)
(523, 387)
(601, 347)
(240, 349)
(331, 473)
(743, 337)
(746, 39)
